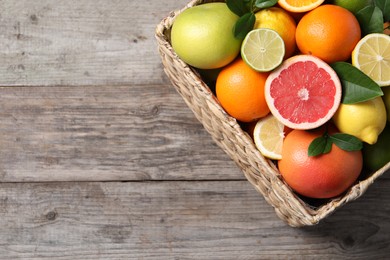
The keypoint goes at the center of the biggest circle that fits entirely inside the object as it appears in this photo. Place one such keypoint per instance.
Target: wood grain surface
(101, 159)
(179, 220)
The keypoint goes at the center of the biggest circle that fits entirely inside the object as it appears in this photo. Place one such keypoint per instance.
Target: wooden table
(101, 159)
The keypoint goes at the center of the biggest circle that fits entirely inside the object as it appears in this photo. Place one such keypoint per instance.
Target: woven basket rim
(305, 214)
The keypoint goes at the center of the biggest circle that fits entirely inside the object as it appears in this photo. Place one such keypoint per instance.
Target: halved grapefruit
(304, 92)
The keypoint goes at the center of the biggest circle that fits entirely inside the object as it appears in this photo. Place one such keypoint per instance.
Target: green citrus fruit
(202, 36)
(263, 49)
(377, 155)
(352, 5)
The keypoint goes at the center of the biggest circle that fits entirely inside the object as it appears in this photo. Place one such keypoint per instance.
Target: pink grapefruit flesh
(304, 92)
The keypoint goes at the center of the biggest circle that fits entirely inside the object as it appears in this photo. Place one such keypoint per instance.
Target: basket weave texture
(227, 133)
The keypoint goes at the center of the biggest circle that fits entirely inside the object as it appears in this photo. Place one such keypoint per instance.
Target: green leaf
(244, 24)
(346, 142)
(237, 6)
(320, 145)
(370, 19)
(384, 5)
(357, 86)
(261, 4)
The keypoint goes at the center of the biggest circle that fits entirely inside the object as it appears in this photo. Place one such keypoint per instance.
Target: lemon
(263, 49)
(202, 36)
(268, 136)
(279, 20)
(352, 5)
(365, 120)
(377, 155)
(386, 99)
(372, 56)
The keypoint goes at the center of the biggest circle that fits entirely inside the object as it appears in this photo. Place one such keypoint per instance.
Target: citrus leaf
(384, 5)
(320, 145)
(370, 19)
(262, 4)
(237, 6)
(346, 142)
(243, 25)
(357, 86)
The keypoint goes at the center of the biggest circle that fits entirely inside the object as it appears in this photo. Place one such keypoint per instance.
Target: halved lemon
(372, 56)
(299, 6)
(268, 136)
(263, 49)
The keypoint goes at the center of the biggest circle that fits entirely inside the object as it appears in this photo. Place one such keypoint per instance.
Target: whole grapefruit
(323, 176)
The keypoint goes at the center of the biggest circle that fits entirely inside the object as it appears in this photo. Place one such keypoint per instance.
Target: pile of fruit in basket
(308, 80)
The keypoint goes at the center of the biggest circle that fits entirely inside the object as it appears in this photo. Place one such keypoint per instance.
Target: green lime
(263, 49)
(377, 155)
(352, 5)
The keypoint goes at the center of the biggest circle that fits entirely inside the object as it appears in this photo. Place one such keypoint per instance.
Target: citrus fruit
(268, 136)
(377, 155)
(303, 92)
(240, 90)
(372, 56)
(365, 120)
(329, 32)
(386, 100)
(299, 6)
(323, 176)
(263, 49)
(352, 5)
(279, 20)
(202, 36)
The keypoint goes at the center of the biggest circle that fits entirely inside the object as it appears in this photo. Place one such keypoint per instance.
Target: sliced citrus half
(304, 92)
(268, 136)
(299, 6)
(263, 49)
(372, 56)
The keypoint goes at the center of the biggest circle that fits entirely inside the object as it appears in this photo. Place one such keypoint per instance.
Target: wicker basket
(228, 134)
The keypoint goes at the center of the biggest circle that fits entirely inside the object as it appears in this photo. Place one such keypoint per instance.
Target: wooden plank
(179, 220)
(87, 42)
(105, 133)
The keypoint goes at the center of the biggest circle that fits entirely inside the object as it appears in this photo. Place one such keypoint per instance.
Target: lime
(263, 49)
(352, 5)
(377, 155)
(372, 56)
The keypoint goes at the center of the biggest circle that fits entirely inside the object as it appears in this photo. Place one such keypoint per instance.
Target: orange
(329, 32)
(324, 176)
(240, 91)
(279, 20)
(299, 6)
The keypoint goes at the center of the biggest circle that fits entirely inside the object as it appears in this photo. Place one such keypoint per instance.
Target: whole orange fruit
(329, 32)
(323, 176)
(240, 90)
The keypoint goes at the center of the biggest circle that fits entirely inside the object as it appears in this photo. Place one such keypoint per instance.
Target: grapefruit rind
(296, 88)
